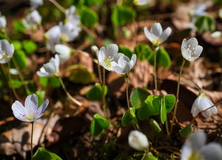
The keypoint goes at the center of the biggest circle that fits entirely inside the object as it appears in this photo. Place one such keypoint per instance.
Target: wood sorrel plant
(156, 37)
(190, 51)
(30, 112)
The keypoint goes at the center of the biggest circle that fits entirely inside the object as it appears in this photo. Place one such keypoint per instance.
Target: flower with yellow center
(195, 148)
(30, 111)
(111, 60)
(50, 69)
(6, 51)
(156, 34)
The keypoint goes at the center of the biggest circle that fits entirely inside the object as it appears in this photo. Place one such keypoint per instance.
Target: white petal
(186, 150)
(102, 54)
(148, 35)
(156, 29)
(212, 151)
(31, 103)
(197, 139)
(165, 34)
(19, 111)
(111, 50)
(198, 50)
(42, 108)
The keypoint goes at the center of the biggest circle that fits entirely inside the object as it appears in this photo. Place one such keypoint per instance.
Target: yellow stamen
(108, 61)
(195, 156)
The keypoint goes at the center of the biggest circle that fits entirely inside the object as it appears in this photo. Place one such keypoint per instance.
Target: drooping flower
(2, 22)
(202, 103)
(6, 51)
(113, 61)
(156, 34)
(52, 37)
(30, 111)
(190, 49)
(51, 68)
(195, 148)
(63, 51)
(35, 4)
(137, 140)
(32, 20)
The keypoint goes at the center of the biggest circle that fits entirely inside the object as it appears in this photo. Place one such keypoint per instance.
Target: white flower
(71, 17)
(141, 2)
(63, 51)
(124, 64)
(156, 34)
(52, 37)
(2, 22)
(202, 103)
(6, 51)
(190, 49)
(68, 31)
(30, 112)
(196, 149)
(113, 61)
(137, 140)
(199, 11)
(33, 19)
(35, 3)
(50, 69)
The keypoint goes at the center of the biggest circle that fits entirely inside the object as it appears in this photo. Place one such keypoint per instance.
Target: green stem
(58, 6)
(32, 123)
(103, 95)
(127, 90)
(177, 95)
(67, 93)
(20, 75)
(155, 73)
(13, 89)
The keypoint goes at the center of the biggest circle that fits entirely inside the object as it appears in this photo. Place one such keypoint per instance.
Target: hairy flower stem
(67, 93)
(146, 154)
(155, 72)
(177, 95)
(105, 110)
(32, 129)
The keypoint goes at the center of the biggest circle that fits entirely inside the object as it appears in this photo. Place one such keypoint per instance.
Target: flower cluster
(30, 112)
(6, 51)
(196, 149)
(64, 32)
(111, 60)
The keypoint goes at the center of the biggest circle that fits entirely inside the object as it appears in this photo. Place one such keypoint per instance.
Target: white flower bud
(137, 140)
